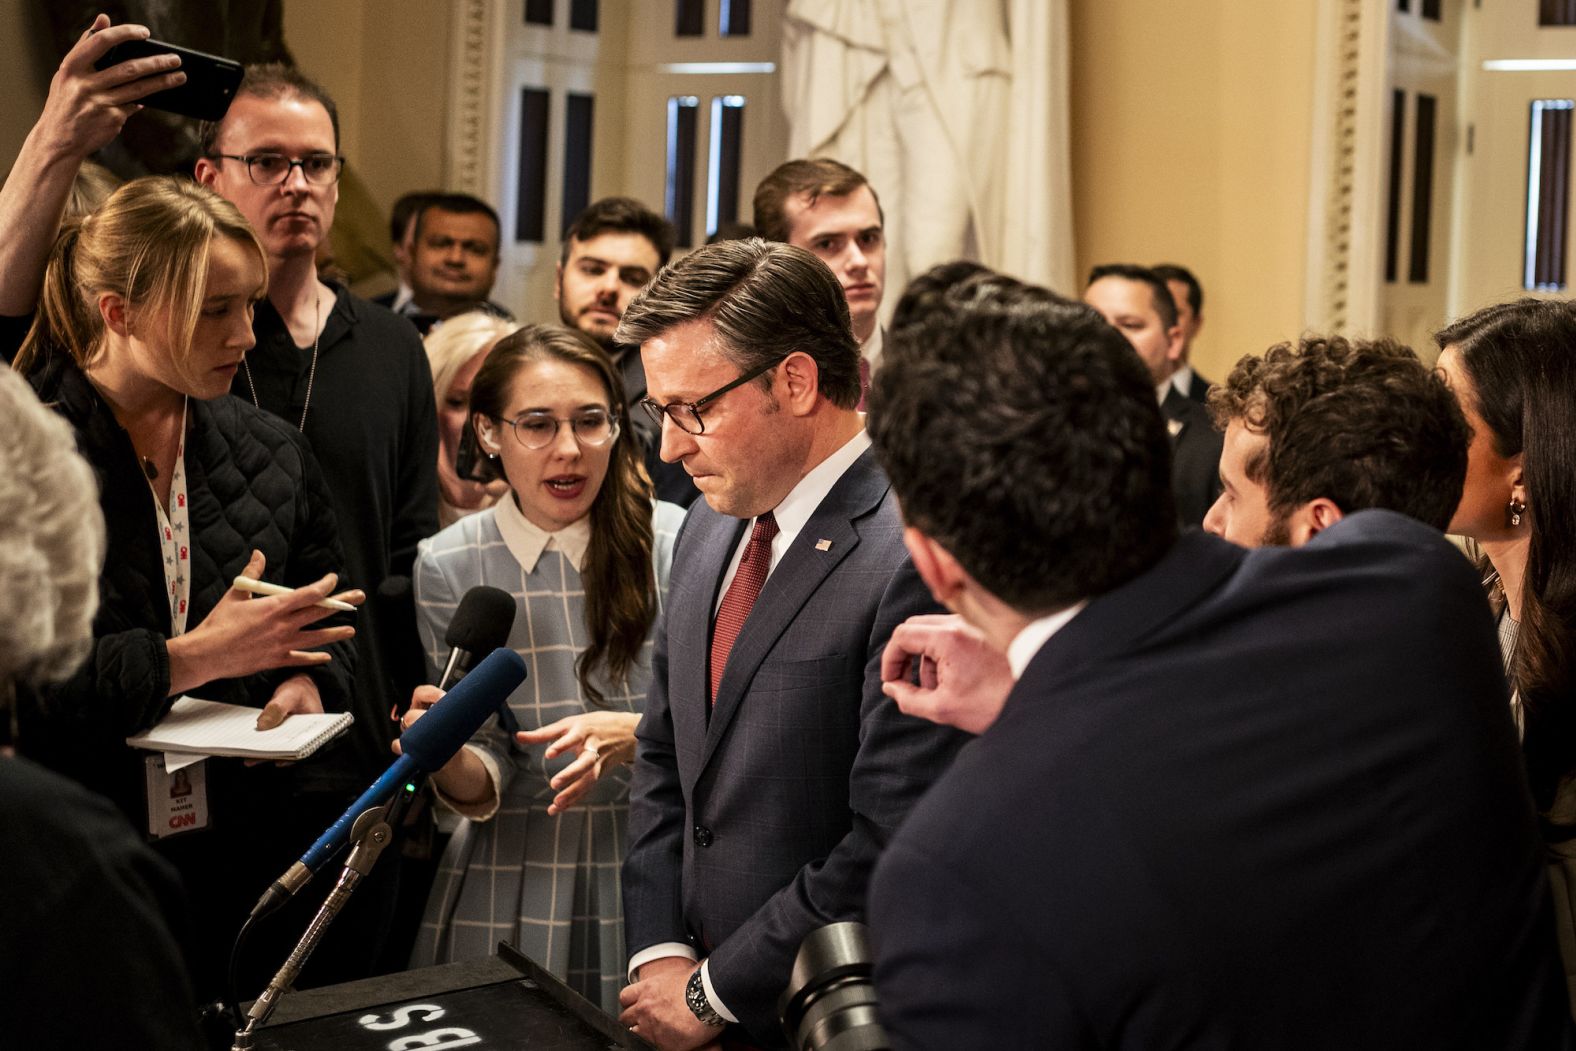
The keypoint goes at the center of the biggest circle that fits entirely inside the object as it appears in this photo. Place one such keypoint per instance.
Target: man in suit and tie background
(1188, 295)
(770, 770)
(1266, 799)
(1137, 303)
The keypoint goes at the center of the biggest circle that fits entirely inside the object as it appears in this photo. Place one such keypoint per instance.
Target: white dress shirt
(1035, 634)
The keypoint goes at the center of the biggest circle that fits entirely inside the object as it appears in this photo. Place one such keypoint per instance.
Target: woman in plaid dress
(585, 551)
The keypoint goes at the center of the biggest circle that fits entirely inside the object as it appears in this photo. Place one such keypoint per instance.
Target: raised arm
(86, 108)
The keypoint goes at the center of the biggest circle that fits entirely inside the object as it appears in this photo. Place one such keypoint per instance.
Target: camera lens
(830, 1002)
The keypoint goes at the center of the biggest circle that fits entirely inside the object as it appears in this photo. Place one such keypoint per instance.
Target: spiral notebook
(202, 728)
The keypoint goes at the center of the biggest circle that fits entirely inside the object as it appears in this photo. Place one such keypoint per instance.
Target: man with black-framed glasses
(353, 379)
(770, 767)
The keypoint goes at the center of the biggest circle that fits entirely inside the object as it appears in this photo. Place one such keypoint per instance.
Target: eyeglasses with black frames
(271, 169)
(537, 430)
(686, 414)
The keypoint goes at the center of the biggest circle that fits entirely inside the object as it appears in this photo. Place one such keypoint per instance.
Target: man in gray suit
(770, 770)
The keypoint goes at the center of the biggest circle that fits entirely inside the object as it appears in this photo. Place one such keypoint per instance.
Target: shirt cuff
(711, 994)
(486, 808)
(658, 952)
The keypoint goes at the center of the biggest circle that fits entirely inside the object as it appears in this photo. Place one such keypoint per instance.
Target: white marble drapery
(957, 113)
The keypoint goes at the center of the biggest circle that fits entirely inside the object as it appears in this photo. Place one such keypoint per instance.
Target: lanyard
(175, 539)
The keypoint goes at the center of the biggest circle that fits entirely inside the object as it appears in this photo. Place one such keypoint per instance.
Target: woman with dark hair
(585, 550)
(1513, 367)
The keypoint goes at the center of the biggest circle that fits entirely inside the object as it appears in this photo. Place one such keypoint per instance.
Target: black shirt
(372, 420)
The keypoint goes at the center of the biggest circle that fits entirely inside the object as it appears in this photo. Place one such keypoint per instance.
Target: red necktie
(864, 381)
(746, 587)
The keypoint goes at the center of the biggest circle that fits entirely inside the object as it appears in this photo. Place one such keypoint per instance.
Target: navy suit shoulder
(1195, 456)
(759, 819)
(1276, 800)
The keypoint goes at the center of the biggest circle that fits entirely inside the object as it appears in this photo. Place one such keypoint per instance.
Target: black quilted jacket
(252, 483)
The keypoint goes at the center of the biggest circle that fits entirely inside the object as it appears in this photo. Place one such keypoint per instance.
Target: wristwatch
(695, 996)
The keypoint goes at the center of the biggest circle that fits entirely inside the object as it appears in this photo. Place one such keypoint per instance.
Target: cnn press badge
(177, 802)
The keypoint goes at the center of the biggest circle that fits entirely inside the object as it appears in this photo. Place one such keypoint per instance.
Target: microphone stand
(373, 830)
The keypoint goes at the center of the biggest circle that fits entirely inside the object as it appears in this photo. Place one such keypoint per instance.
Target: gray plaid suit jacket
(758, 820)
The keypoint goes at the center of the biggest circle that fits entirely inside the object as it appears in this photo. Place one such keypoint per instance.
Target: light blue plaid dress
(548, 884)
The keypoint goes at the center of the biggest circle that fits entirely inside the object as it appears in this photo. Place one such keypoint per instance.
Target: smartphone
(210, 80)
(468, 458)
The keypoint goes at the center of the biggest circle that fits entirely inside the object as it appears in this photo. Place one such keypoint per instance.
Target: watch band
(695, 997)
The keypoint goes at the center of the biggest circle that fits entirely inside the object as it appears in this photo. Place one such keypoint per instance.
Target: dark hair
(619, 581)
(766, 300)
(405, 210)
(457, 204)
(813, 177)
(1021, 433)
(1165, 306)
(1195, 291)
(1521, 360)
(1362, 423)
(270, 80)
(620, 215)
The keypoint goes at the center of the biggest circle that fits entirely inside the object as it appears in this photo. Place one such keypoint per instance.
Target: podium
(504, 1001)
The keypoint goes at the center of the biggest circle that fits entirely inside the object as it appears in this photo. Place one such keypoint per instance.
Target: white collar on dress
(526, 541)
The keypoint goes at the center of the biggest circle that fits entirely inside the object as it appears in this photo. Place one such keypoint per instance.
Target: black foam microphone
(429, 743)
(480, 625)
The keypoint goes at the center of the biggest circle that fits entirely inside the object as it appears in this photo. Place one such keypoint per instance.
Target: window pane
(690, 18)
(727, 141)
(1422, 188)
(1548, 194)
(583, 15)
(1557, 12)
(680, 196)
(538, 12)
(734, 18)
(531, 190)
(577, 156)
(1392, 236)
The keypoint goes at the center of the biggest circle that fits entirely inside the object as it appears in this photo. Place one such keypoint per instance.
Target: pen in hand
(259, 587)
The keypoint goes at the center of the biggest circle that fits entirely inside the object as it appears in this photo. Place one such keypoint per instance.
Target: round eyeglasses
(271, 169)
(538, 430)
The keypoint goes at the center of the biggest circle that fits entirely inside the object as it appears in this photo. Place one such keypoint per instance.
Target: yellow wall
(27, 60)
(1190, 142)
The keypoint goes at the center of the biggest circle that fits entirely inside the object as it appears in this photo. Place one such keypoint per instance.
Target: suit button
(702, 836)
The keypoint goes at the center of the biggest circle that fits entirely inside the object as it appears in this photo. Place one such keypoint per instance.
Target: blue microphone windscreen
(434, 738)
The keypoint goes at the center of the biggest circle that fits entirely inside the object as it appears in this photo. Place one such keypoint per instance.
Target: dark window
(690, 18)
(727, 143)
(582, 15)
(680, 196)
(1431, 10)
(538, 12)
(577, 155)
(531, 191)
(1422, 188)
(734, 18)
(1557, 12)
(1392, 235)
(1403, 5)
(1548, 194)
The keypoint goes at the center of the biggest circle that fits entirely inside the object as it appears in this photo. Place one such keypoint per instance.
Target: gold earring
(1517, 508)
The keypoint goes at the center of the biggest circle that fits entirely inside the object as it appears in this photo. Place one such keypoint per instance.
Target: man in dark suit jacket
(1137, 303)
(1188, 295)
(1268, 799)
(770, 770)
